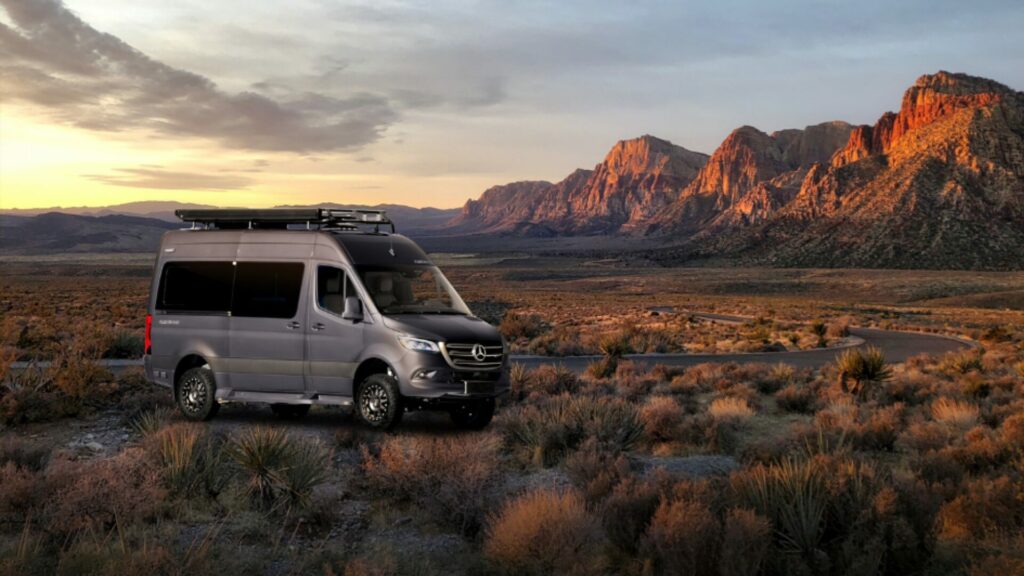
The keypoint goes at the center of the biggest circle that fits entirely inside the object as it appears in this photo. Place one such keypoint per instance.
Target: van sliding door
(268, 312)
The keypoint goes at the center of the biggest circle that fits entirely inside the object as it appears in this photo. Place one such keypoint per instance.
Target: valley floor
(914, 468)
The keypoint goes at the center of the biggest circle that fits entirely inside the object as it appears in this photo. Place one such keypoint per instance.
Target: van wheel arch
(367, 368)
(187, 363)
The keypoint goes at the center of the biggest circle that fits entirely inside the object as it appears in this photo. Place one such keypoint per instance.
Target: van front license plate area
(478, 387)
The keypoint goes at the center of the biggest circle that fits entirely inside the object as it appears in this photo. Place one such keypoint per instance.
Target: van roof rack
(282, 218)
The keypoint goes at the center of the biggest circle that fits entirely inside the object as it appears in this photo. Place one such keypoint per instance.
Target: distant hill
(108, 229)
(54, 232)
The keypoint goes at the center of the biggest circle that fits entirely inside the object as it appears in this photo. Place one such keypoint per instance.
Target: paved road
(897, 346)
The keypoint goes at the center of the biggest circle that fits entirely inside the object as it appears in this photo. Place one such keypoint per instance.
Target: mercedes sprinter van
(295, 307)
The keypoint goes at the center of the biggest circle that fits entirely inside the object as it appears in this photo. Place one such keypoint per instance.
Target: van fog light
(424, 374)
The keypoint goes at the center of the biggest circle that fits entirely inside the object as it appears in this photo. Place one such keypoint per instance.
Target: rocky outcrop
(767, 167)
(637, 178)
(938, 185)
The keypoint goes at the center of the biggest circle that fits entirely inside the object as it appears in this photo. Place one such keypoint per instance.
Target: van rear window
(195, 287)
(267, 289)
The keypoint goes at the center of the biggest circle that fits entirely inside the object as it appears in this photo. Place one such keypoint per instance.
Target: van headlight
(418, 344)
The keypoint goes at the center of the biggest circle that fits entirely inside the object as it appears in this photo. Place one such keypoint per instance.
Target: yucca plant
(308, 466)
(862, 367)
(193, 462)
(282, 471)
(793, 494)
(261, 453)
(149, 422)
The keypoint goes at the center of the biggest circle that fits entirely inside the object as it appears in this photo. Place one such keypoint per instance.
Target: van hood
(444, 327)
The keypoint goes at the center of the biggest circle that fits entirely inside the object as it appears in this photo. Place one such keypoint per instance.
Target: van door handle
(318, 326)
(294, 325)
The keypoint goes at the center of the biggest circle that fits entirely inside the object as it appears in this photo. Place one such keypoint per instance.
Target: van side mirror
(353, 309)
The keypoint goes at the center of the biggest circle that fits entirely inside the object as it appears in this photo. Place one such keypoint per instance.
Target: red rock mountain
(637, 178)
(939, 184)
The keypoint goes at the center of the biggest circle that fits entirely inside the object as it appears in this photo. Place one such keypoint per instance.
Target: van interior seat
(333, 300)
(385, 295)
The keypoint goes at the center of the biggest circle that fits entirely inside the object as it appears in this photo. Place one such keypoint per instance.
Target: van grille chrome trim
(460, 355)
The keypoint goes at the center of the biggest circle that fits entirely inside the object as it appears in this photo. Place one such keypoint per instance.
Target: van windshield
(411, 290)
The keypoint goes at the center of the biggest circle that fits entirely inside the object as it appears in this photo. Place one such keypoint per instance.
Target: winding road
(897, 347)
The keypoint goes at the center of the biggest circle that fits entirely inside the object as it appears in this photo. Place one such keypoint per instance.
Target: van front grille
(461, 357)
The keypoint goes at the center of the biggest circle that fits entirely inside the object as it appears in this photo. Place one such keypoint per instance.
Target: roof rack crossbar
(343, 218)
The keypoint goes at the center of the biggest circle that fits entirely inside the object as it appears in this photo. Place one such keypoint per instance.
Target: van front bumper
(437, 380)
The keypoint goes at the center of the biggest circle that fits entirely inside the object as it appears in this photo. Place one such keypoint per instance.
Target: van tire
(378, 402)
(473, 415)
(196, 394)
(290, 411)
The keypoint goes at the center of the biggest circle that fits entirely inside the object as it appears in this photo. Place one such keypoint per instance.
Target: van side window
(203, 287)
(332, 285)
(267, 289)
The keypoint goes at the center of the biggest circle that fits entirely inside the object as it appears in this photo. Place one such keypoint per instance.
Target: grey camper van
(295, 307)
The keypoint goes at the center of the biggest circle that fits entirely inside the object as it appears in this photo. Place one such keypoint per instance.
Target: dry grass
(452, 479)
(545, 532)
(954, 413)
(730, 409)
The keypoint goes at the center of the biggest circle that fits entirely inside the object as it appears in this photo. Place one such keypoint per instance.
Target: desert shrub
(23, 453)
(838, 329)
(550, 431)
(820, 329)
(17, 490)
(958, 363)
(515, 326)
(616, 345)
(954, 413)
(596, 472)
(279, 471)
(28, 396)
(662, 417)
(603, 367)
(863, 367)
(746, 538)
(985, 507)
(682, 538)
(627, 512)
(97, 494)
(794, 398)
(777, 377)
(192, 459)
(938, 466)
(545, 532)
(561, 341)
(451, 478)
(1012, 431)
(634, 381)
(730, 409)
(519, 377)
(925, 436)
(124, 344)
(554, 379)
(880, 431)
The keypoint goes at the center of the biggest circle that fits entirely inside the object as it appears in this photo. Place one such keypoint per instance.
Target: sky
(260, 103)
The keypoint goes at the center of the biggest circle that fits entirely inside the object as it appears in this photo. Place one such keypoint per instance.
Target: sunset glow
(429, 104)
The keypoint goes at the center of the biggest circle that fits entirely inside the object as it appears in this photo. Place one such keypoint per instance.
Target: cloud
(50, 58)
(159, 179)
